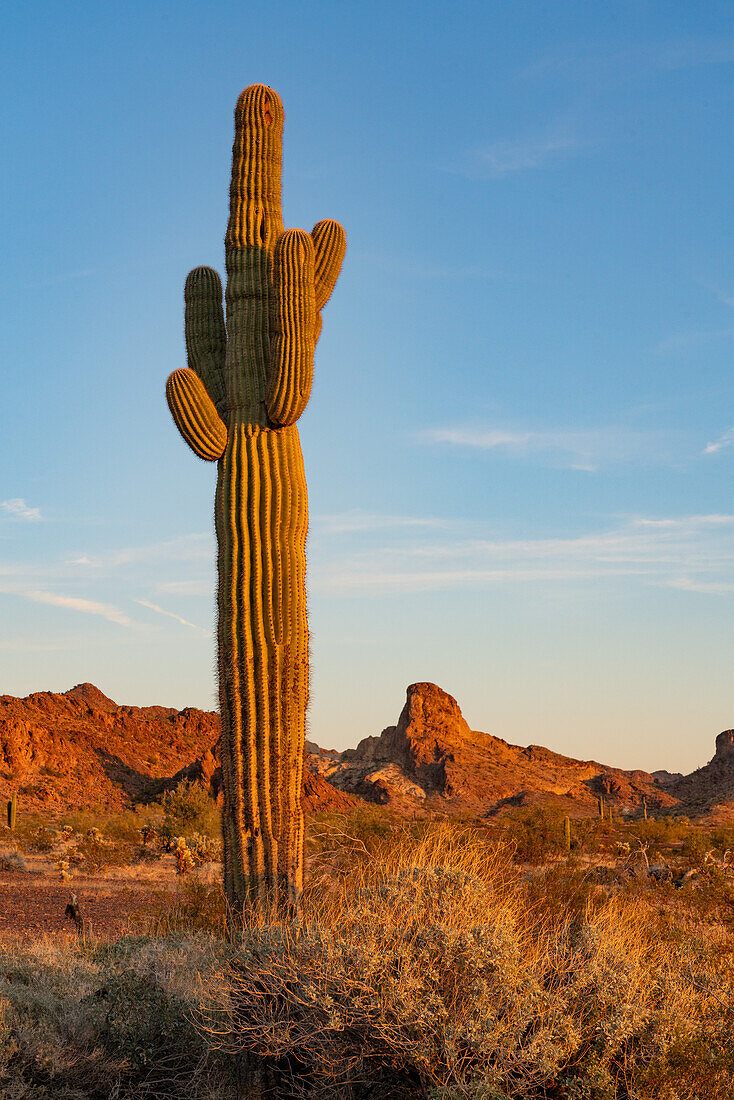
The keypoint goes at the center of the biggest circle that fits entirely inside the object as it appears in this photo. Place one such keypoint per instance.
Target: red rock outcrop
(79, 749)
(462, 770)
(708, 793)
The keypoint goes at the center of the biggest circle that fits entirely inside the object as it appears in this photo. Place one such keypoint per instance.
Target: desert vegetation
(433, 959)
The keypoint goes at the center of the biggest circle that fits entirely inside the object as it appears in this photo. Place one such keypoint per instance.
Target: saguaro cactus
(237, 402)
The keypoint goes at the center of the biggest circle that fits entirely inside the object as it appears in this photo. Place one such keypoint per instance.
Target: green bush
(189, 809)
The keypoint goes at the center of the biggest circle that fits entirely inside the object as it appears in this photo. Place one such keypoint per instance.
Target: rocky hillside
(81, 749)
(708, 793)
(431, 759)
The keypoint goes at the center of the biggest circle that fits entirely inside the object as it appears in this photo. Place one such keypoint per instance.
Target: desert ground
(479, 919)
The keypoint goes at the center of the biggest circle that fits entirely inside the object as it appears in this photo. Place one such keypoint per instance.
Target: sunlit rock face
(725, 743)
(80, 748)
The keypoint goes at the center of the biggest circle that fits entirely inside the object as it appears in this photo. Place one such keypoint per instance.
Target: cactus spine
(237, 403)
(12, 810)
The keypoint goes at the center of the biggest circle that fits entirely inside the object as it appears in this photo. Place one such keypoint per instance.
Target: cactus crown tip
(260, 103)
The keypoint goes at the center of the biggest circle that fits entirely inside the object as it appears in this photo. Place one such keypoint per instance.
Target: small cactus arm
(247, 382)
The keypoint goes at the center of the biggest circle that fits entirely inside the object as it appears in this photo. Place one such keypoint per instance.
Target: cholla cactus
(204, 849)
(62, 866)
(237, 403)
(183, 856)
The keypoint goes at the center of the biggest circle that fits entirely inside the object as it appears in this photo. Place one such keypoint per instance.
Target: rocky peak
(725, 744)
(92, 697)
(430, 728)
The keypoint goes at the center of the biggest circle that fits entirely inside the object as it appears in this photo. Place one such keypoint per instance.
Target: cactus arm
(195, 415)
(292, 327)
(206, 337)
(330, 243)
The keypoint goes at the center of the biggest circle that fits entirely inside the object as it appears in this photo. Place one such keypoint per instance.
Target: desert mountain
(79, 748)
(708, 792)
(431, 758)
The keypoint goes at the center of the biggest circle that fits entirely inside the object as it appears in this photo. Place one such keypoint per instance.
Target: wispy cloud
(575, 449)
(725, 297)
(655, 550)
(202, 587)
(503, 158)
(724, 441)
(356, 521)
(171, 615)
(681, 343)
(76, 603)
(18, 508)
(600, 66)
(186, 548)
(713, 588)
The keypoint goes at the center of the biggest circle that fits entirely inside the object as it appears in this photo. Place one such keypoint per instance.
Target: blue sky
(520, 441)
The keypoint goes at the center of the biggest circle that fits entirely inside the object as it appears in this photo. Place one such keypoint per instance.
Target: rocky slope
(708, 793)
(432, 760)
(80, 749)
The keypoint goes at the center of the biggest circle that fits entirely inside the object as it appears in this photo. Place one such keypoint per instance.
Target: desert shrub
(204, 849)
(694, 847)
(537, 835)
(12, 861)
(343, 839)
(148, 834)
(662, 832)
(41, 839)
(722, 839)
(124, 826)
(436, 973)
(188, 809)
(85, 1022)
(194, 907)
(93, 853)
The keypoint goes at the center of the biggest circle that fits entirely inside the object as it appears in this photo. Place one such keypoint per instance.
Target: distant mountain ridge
(79, 749)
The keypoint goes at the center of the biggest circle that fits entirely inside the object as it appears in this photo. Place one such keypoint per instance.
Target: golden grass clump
(430, 972)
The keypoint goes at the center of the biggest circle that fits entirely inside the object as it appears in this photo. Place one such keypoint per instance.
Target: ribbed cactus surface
(247, 382)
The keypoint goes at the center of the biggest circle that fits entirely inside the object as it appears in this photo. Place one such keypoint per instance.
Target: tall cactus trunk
(261, 517)
(237, 402)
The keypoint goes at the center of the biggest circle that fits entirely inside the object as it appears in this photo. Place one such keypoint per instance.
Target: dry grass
(433, 970)
(428, 964)
(81, 1021)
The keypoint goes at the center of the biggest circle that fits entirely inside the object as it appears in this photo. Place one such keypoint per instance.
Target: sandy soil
(32, 904)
